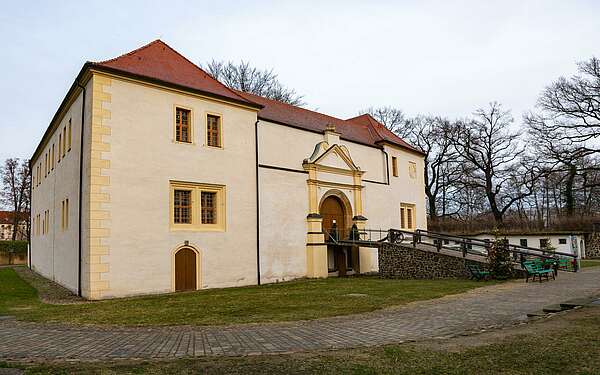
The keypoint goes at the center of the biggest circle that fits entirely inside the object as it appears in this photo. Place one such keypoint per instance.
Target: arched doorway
(335, 214)
(185, 269)
(332, 211)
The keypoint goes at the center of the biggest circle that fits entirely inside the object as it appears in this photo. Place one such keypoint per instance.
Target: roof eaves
(145, 78)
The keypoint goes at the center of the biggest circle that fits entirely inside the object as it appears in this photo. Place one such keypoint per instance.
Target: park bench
(476, 272)
(534, 269)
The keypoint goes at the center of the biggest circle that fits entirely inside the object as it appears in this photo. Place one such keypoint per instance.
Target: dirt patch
(48, 291)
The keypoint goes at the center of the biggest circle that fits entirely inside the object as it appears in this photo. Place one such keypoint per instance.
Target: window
(208, 205)
(52, 158)
(213, 130)
(64, 139)
(562, 241)
(197, 206)
(65, 215)
(412, 170)
(394, 166)
(544, 242)
(59, 146)
(45, 222)
(69, 136)
(46, 166)
(402, 217)
(523, 242)
(182, 203)
(182, 125)
(407, 216)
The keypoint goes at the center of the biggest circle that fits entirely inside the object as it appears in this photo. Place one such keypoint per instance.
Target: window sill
(183, 143)
(197, 228)
(215, 147)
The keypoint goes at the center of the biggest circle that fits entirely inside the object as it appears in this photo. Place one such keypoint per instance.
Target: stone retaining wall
(406, 262)
(592, 245)
(6, 259)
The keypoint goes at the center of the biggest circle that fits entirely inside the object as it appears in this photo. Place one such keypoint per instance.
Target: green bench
(477, 273)
(534, 269)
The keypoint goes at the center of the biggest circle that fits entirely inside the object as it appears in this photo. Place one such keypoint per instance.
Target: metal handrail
(465, 245)
(525, 250)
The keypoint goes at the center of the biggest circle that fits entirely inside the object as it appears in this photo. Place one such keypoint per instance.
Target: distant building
(561, 241)
(7, 227)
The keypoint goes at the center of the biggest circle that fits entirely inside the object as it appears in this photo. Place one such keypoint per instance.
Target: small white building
(561, 241)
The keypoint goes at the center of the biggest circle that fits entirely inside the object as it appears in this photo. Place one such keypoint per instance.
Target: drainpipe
(257, 204)
(387, 167)
(30, 214)
(80, 189)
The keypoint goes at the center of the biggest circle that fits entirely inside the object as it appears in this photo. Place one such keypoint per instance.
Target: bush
(19, 247)
(499, 257)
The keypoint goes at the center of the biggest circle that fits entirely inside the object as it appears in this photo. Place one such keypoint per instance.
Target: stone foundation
(12, 259)
(592, 245)
(406, 262)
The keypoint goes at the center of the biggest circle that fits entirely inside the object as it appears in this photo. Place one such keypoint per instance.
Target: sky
(425, 57)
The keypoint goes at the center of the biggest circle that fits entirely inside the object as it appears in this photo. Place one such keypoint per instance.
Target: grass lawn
(296, 300)
(590, 262)
(564, 344)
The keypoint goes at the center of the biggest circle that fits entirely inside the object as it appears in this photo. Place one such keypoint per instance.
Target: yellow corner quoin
(99, 224)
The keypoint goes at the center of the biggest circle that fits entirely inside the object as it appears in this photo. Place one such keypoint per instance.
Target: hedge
(14, 246)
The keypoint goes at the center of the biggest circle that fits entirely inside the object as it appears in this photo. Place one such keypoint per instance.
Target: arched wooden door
(185, 269)
(332, 210)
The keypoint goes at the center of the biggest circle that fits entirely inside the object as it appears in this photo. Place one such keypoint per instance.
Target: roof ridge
(130, 52)
(202, 70)
(160, 41)
(370, 120)
(288, 104)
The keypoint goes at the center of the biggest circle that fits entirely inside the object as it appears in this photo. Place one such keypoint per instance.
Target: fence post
(463, 247)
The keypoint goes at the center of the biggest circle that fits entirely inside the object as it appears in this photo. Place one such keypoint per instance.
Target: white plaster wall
(144, 158)
(286, 147)
(283, 210)
(55, 254)
(369, 159)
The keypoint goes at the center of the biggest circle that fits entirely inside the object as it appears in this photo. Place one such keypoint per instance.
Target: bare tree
(570, 108)
(392, 118)
(244, 77)
(15, 176)
(491, 153)
(434, 136)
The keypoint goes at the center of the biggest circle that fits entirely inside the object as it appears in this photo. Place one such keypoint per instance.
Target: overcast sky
(431, 57)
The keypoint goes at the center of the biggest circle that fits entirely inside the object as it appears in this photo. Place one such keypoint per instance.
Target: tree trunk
(569, 198)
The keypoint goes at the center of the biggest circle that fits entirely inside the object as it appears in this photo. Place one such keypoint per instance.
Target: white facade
(127, 243)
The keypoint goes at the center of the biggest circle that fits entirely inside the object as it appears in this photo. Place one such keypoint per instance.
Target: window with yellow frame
(197, 206)
(407, 216)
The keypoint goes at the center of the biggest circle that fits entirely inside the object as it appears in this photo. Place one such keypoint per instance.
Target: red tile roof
(6, 217)
(158, 61)
(362, 129)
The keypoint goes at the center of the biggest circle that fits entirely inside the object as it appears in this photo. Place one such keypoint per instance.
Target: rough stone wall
(592, 245)
(405, 262)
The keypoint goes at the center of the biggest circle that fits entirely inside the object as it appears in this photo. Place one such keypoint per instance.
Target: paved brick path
(493, 306)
